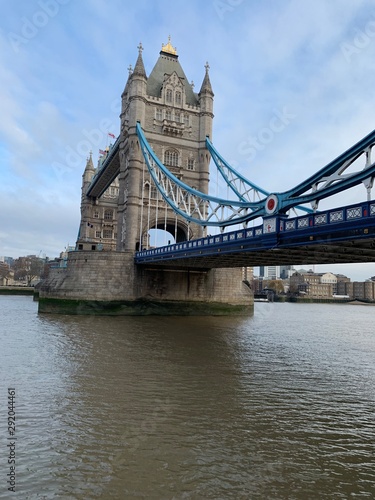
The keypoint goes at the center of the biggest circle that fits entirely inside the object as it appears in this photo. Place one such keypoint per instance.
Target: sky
(307, 66)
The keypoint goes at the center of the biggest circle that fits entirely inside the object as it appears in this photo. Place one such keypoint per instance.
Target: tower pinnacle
(139, 68)
(168, 48)
(206, 84)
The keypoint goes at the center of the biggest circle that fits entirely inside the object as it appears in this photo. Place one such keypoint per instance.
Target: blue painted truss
(207, 210)
(242, 187)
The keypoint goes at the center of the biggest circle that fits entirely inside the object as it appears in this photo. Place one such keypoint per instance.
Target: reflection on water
(279, 405)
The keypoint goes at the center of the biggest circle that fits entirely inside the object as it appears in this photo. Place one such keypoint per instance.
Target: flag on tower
(101, 152)
(112, 135)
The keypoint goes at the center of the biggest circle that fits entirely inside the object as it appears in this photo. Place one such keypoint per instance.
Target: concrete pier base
(109, 283)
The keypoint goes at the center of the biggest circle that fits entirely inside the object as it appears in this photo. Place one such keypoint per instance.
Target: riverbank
(321, 300)
(16, 290)
(313, 300)
(29, 290)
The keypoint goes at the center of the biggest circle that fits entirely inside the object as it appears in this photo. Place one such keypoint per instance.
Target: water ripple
(279, 405)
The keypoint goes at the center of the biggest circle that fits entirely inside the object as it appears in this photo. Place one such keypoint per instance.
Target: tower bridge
(156, 176)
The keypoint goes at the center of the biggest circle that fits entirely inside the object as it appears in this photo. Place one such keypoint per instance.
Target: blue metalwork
(213, 211)
(207, 210)
(332, 177)
(241, 186)
(190, 203)
(353, 223)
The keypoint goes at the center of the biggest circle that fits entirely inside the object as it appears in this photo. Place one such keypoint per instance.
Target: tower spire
(206, 84)
(89, 171)
(89, 164)
(139, 68)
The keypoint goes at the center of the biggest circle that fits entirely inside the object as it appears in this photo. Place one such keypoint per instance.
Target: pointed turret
(206, 87)
(86, 203)
(89, 171)
(206, 101)
(136, 92)
(125, 99)
(139, 68)
(126, 89)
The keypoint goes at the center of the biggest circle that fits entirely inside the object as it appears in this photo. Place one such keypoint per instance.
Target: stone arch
(178, 231)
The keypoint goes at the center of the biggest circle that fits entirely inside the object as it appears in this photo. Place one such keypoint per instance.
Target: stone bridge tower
(101, 276)
(176, 121)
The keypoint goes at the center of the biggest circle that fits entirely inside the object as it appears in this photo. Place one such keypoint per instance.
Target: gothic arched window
(108, 215)
(178, 98)
(150, 191)
(171, 158)
(168, 95)
(190, 164)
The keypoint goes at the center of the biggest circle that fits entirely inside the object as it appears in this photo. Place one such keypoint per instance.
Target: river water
(279, 405)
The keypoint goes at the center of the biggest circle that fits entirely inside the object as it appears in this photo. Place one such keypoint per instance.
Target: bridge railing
(333, 216)
(233, 236)
(296, 225)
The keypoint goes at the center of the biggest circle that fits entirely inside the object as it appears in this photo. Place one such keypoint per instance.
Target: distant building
(269, 272)
(258, 285)
(276, 272)
(6, 277)
(329, 279)
(319, 285)
(360, 290)
(7, 260)
(286, 272)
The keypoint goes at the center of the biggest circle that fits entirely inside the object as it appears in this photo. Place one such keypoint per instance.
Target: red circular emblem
(271, 204)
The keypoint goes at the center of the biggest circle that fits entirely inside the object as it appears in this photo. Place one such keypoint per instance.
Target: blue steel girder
(207, 210)
(242, 187)
(331, 179)
(190, 203)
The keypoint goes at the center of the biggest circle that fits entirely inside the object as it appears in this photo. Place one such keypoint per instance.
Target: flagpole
(109, 134)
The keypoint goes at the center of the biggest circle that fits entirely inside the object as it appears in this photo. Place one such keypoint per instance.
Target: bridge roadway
(107, 173)
(340, 235)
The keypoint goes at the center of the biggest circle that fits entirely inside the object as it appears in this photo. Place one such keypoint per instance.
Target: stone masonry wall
(217, 285)
(112, 276)
(92, 276)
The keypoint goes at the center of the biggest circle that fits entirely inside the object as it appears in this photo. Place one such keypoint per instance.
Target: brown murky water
(279, 405)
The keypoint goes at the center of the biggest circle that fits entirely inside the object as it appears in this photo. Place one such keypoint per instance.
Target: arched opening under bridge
(166, 232)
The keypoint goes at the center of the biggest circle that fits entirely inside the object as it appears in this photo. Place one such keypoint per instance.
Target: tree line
(23, 270)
